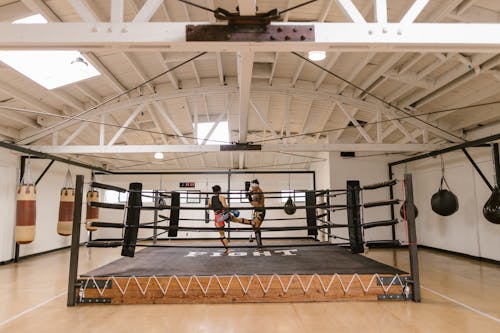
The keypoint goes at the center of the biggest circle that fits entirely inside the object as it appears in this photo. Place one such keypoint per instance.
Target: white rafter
(414, 11)
(245, 68)
(76, 133)
(147, 11)
(351, 11)
(126, 124)
(296, 147)
(117, 11)
(264, 121)
(163, 112)
(355, 122)
(83, 9)
(381, 11)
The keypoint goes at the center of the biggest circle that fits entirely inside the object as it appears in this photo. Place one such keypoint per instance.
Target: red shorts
(220, 219)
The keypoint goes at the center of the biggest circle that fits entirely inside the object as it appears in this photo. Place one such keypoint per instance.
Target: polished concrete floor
(458, 295)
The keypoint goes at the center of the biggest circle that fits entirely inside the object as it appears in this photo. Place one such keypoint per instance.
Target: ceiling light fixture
(316, 55)
(159, 156)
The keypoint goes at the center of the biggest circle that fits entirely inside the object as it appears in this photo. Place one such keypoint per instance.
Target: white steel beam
(102, 129)
(147, 11)
(296, 75)
(360, 128)
(126, 124)
(306, 147)
(245, 68)
(331, 61)
(351, 11)
(381, 11)
(38, 6)
(117, 10)
(169, 121)
(83, 9)
(388, 37)
(75, 134)
(214, 126)
(263, 120)
(414, 11)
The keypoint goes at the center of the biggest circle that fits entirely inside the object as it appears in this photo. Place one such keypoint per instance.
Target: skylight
(50, 69)
(220, 135)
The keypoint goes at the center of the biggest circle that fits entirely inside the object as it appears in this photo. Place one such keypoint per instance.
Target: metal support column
(156, 195)
(75, 242)
(21, 175)
(412, 237)
(391, 197)
(229, 203)
(496, 163)
(329, 215)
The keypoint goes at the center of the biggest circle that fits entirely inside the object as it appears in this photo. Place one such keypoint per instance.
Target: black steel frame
(479, 143)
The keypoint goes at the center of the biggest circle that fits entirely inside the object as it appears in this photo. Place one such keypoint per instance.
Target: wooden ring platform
(173, 275)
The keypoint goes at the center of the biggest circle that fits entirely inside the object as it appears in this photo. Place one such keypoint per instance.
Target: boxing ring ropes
(214, 288)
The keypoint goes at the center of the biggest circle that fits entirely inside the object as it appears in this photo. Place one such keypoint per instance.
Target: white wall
(46, 237)
(204, 183)
(9, 169)
(466, 231)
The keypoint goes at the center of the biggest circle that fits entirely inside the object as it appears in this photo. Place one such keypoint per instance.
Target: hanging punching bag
(444, 202)
(404, 207)
(92, 212)
(25, 213)
(290, 207)
(491, 209)
(66, 207)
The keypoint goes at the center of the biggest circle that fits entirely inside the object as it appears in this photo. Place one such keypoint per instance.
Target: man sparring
(256, 199)
(219, 205)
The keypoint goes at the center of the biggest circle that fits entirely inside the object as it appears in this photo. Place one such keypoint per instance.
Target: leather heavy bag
(402, 210)
(92, 212)
(290, 208)
(66, 207)
(25, 214)
(444, 202)
(491, 209)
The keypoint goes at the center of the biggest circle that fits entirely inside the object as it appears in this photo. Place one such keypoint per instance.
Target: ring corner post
(75, 242)
(412, 238)
(133, 217)
(354, 216)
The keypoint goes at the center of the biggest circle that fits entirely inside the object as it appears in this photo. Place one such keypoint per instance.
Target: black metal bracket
(250, 33)
(44, 172)
(240, 147)
(393, 297)
(478, 169)
(94, 301)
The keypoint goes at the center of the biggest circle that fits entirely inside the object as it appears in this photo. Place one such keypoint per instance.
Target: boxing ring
(165, 272)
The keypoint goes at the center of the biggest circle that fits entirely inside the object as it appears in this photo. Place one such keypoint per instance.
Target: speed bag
(290, 208)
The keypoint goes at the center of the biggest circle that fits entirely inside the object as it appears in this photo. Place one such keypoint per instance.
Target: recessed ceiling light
(316, 55)
(159, 156)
